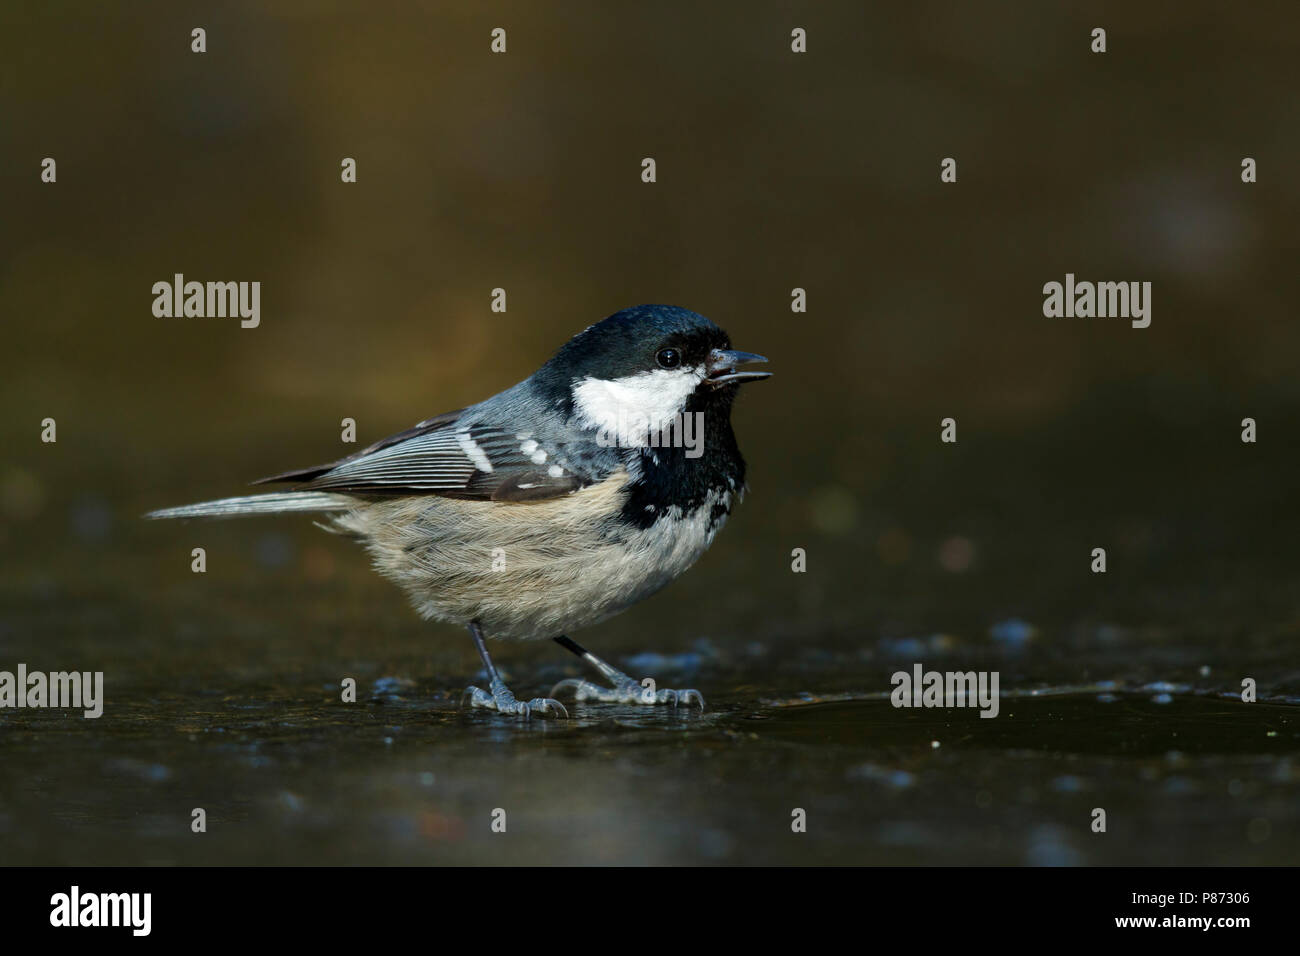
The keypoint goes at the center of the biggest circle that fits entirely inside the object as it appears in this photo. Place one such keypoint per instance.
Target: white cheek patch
(629, 408)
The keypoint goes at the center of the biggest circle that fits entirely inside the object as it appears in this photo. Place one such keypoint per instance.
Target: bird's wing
(442, 457)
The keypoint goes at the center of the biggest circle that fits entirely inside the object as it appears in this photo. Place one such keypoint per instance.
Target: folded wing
(442, 456)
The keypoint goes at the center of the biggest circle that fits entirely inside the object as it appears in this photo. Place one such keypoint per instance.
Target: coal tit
(553, 505)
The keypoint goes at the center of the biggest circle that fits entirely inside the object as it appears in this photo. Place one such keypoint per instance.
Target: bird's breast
(536, 569)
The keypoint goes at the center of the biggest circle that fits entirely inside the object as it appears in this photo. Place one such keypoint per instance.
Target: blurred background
(775, 170)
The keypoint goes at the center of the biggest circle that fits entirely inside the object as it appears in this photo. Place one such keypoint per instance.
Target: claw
(687, 696)
(573, 683)
(504, 702)
(628, 692)
(477, 698)
(547, 705)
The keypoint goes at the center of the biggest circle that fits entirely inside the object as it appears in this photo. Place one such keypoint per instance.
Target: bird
(552, 505)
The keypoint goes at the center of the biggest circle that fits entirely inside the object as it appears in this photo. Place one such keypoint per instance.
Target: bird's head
(637, 369)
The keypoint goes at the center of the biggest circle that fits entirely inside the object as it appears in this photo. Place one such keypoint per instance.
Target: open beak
(721, 367)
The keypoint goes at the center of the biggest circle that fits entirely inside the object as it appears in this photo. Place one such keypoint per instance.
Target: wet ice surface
(1186, 774)
(223, 692)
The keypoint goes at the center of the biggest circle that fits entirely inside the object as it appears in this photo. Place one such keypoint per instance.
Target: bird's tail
(277, 503)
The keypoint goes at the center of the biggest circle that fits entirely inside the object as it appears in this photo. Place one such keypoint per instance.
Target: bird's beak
(721, 367)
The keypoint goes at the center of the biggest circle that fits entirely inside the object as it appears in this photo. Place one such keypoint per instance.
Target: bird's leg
(498, 696)
(625, 690)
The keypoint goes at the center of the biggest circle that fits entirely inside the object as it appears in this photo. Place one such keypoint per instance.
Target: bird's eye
(669, 358)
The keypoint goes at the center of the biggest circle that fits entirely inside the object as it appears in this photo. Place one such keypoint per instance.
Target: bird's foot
(501, 700)
(628, 691)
